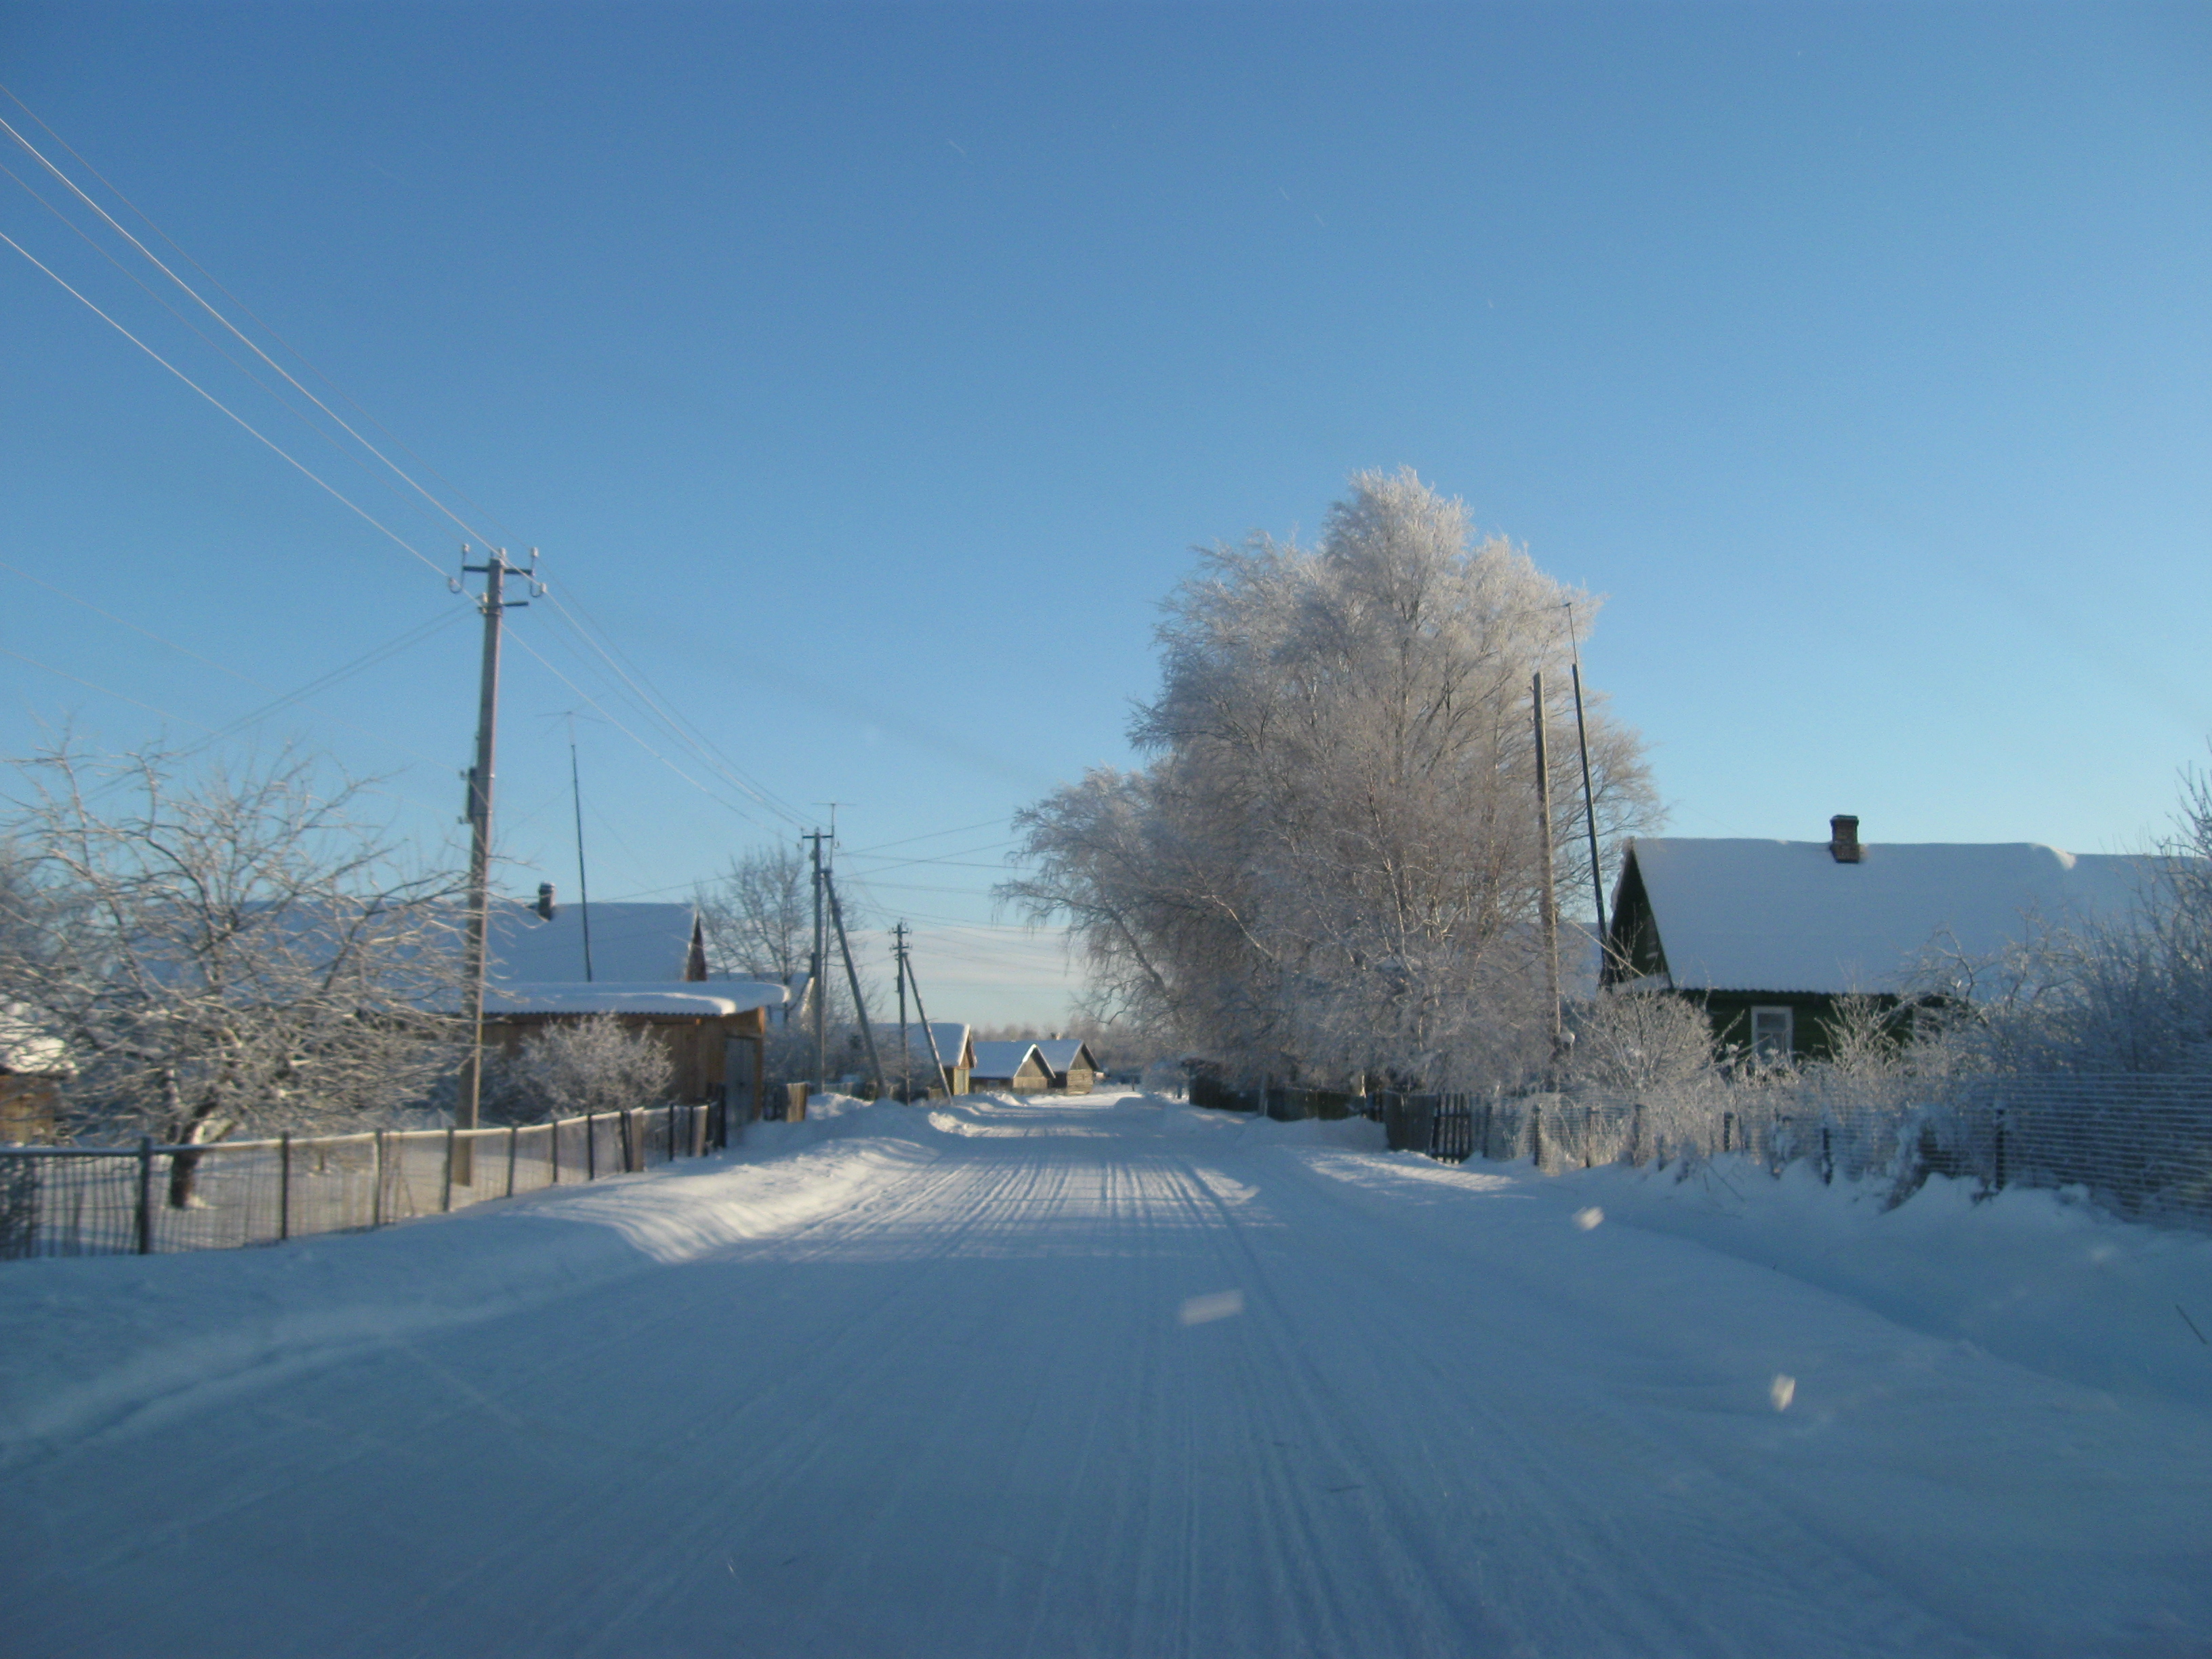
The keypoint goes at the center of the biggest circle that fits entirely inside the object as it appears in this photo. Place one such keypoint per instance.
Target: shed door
(740, 1083)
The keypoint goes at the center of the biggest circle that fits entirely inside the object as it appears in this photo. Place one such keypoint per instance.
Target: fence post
(447, 1203)
(591, 1147)
(1827, 1157)
(1636, 1135)
(376, 1176)
(513, 1139)
(1728, 1127)
(1999, 1185)
(283, 1188)
(1536, 1134)
(553, 1148)
(1590, 1130)
(145, 1195)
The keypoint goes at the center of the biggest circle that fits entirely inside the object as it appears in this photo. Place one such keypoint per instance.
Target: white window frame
(1763, 1051)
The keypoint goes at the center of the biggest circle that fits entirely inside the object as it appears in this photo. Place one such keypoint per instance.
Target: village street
(1094, 1377)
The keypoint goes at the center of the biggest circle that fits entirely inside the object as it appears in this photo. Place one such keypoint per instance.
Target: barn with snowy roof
(1767, 934)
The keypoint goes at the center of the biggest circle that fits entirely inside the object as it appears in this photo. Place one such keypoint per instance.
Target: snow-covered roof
(26, 1047)
(1059, 1054)
(707, 998)
(1003, 1059)
(1785, 915)
(631, 942)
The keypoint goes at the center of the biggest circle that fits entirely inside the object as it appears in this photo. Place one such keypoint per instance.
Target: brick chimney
(1843, 838)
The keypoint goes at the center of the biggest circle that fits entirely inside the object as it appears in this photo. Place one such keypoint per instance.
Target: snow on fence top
(710, 999)
(1787, 916)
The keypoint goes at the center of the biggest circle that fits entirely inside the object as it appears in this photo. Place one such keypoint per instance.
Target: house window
(1770, 1036)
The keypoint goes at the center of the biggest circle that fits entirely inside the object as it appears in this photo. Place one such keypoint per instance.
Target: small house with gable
(1767, 935)
(1069, 1062)
(1016, 1066)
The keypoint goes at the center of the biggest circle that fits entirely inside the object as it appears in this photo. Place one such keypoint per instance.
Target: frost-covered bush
(594, 1065)
(1636, 1041)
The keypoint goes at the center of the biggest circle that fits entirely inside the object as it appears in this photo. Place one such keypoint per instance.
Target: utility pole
(852, 981)
(906, 1048)
(1590, 811)
(493, 602)
(944, 1077)
(814, 970)
(1551, 918)
(583, 886)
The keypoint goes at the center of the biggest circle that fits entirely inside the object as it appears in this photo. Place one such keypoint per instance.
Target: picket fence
(149, 1199)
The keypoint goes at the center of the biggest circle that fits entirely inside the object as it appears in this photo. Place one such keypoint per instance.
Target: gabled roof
(1785, 915)
(631, 942)
(1059, 1053)
(1005, 1059)
(704, 998)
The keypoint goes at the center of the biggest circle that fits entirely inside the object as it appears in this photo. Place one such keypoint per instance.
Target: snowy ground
(1112, 1377)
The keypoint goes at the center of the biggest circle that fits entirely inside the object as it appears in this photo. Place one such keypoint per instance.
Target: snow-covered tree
(1332, 867)
(231, 948)
(567, 1070)
(758, 914)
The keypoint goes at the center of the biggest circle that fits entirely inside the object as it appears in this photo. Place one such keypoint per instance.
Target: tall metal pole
(1551, 918)
(583, 886)
(494, 570)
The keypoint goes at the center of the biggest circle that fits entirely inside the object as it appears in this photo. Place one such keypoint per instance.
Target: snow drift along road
(1105, 1376)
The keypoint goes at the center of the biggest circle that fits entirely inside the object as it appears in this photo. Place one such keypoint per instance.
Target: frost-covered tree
(1331, 868)
(222, 949)
(757, 915)
(567, 1070)
(2122, 993)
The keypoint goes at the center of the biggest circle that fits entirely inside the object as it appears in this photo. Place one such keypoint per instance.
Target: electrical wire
(216, 284)
(242, 337)
(413, 551)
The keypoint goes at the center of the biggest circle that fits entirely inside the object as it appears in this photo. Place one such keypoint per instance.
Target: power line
(243, 338)
(216, 284)
(270, 444)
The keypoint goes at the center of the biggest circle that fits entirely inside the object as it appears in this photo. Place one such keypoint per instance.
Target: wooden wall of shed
(30, 1106)
(694, 1042)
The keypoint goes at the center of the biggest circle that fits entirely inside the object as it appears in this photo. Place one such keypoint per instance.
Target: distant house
(711, 1029)
(955, 1047)
(1765, 935)
(1069, 1060)
(1016, 1066)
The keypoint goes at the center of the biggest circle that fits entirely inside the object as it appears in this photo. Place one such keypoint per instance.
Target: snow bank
(2038, 1278)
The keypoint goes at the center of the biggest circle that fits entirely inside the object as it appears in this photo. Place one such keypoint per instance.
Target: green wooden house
(1765, 935)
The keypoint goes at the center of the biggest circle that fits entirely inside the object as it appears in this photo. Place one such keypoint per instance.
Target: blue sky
(866, 374)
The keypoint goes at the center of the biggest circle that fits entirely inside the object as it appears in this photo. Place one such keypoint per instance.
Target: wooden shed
(1013, 1066)
(33, 1069)
(711, 1029)
(1074, 1068)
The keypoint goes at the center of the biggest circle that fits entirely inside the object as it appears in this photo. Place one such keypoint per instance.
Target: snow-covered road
(1094, 1377)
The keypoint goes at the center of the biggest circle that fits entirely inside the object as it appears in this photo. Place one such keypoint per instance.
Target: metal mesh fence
(2139, 1145)
(113, 1200)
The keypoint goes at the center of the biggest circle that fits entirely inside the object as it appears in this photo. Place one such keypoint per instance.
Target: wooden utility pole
(1590, 810)
(583, 882)
(852, 981)
(906, 1048)
(814, 970)
(944, 1077)
(1551, 917)
(493, 602)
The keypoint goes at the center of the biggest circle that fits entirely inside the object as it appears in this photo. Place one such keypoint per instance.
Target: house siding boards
(693, 1021)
